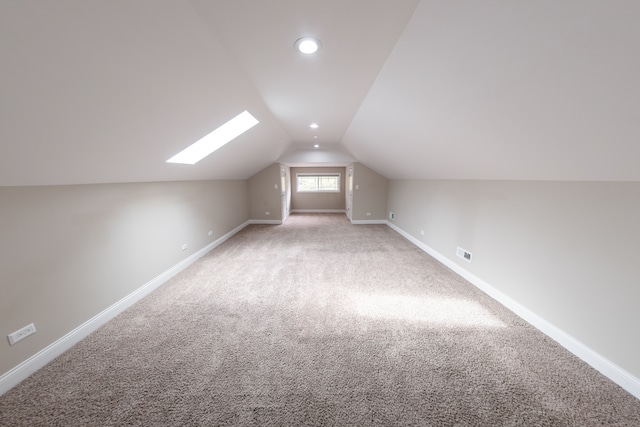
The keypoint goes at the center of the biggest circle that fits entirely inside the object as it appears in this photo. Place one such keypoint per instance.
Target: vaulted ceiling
(106, 91)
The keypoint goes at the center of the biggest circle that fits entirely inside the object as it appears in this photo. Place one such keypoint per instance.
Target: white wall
(285, 190)
(70, 252)
(567, 251)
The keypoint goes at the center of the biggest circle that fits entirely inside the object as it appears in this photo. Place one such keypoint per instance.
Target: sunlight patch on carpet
(450, 312)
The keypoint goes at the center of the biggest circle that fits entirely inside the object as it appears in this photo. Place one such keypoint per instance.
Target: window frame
(337, 175)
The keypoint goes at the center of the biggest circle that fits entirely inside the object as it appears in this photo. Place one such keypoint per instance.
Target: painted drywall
(70, 252)
(317, 201)
(285, 190)
(567, 251)
(265, 194)
(369, 194)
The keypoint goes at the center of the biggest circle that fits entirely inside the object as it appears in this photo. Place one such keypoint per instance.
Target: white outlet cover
(463, 253)
(21, 334)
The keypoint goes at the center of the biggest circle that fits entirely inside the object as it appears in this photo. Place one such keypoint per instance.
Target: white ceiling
(497, 89)
(105, 91)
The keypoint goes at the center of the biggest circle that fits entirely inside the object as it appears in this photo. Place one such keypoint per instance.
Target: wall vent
(464, 254)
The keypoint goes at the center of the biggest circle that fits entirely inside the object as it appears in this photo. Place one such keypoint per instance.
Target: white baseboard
(618, 375)
(13, 377)
(368, 221)
(609, 369)
(318, 211)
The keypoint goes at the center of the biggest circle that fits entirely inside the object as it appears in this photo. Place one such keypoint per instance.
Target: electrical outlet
(267, 213)
(210, 233)
(368, 213)
(464, 254)
(422, 232)
(184, 247)
(392, 215)
(21, 334)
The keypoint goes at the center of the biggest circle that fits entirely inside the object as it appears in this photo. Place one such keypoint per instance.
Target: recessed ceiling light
(307, 45)
(316, 146)
(313, 126)
(315, 136)
(216, 139)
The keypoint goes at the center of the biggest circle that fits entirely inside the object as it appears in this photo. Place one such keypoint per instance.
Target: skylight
(216, 139)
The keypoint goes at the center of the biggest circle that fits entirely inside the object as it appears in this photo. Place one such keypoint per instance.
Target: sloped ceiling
(106, 91)
(532, 90)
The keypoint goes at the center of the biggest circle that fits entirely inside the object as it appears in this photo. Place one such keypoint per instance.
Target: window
(318, 182)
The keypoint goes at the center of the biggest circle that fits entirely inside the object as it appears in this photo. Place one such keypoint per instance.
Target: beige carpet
(318, 322)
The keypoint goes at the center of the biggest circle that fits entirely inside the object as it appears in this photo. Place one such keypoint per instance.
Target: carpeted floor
(318, 322)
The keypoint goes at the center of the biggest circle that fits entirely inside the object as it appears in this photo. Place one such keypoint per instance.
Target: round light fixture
(313, 126)
(307, 45)
(316, 146)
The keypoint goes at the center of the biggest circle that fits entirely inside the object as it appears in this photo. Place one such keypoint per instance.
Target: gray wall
(319, 201)
(565, 250)
(69, 252)
(369, 194)
(265, 194)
